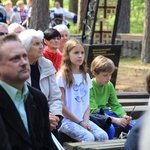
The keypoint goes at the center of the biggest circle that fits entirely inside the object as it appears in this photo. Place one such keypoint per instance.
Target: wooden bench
(134, 103)
(106, 145)
(131, 95)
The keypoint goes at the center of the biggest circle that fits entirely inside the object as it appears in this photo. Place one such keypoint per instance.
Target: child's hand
(128, 118)
(89, 127)
(86, 126)
(121, 121)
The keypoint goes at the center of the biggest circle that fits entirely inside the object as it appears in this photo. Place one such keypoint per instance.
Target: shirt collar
(13, 92)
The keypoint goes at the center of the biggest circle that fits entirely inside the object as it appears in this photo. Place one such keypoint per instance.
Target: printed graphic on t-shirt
(79, 91)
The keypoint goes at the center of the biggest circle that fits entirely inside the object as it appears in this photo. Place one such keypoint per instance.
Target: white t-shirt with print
(76, 97)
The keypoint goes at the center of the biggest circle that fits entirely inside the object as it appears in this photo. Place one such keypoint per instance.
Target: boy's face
(103, 77)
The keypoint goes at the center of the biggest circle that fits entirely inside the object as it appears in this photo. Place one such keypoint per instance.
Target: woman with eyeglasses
(51, 51)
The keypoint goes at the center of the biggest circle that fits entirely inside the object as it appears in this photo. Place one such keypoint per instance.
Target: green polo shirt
(18, 97)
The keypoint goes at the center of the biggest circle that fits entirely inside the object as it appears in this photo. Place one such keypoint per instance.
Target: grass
(136, 61)
(129, 60)
(131, 75)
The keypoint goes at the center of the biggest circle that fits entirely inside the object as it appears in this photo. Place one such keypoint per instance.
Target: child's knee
(89, 138)
(103, 136)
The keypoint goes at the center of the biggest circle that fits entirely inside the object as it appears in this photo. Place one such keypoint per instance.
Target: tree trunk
(82, 4)
(124, 17)
(73, 6)
(145, 55)
(39, 15)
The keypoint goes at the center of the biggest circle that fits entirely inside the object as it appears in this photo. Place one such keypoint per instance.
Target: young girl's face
(103, 77)
(77, 55)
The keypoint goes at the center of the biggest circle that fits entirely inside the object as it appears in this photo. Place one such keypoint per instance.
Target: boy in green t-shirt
(103, 94)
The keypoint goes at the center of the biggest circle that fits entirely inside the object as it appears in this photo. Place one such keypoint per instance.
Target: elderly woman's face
(64, 37)
(36, 49)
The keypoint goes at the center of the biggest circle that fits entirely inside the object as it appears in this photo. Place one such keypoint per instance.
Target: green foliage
(137, 16)
(73, 28)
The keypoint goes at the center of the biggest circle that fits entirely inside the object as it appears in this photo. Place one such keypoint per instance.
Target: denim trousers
(81, 134)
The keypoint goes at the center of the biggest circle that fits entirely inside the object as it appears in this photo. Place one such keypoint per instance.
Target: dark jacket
(4, 144)
(132, 142)
(39, 137)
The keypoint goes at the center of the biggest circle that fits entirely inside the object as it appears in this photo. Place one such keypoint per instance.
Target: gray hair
(27, 36)
(13, 26)
(61, 28)
(4, 25)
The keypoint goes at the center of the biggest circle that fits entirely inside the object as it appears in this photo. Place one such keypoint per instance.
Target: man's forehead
(10, 45)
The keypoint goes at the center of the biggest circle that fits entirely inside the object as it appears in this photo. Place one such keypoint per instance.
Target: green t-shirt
(104, 96)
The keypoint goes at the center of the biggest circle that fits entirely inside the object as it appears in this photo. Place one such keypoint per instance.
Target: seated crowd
(71, 95)
(46, 90)
(20, 13)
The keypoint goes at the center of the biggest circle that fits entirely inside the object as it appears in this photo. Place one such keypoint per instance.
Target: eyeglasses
(2, 33)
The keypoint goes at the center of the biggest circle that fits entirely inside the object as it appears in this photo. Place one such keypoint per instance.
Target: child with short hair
(103, 94)
(75, 84)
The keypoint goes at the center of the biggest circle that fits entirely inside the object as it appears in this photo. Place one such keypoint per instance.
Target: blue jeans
(79, 133)
(111, 132)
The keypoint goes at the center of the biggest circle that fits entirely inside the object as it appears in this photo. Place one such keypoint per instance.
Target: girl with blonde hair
(74, 83)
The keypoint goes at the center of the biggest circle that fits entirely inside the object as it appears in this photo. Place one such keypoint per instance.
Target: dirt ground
(131, 75)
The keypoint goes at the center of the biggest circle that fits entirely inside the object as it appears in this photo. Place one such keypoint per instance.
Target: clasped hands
(54, 120)
(124, 121)
(86, 126)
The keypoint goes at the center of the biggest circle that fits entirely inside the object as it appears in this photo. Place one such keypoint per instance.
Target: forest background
(136, 14)
(137, 8)
(131, 71)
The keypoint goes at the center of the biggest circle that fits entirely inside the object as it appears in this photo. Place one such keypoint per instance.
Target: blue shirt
(18, 97)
